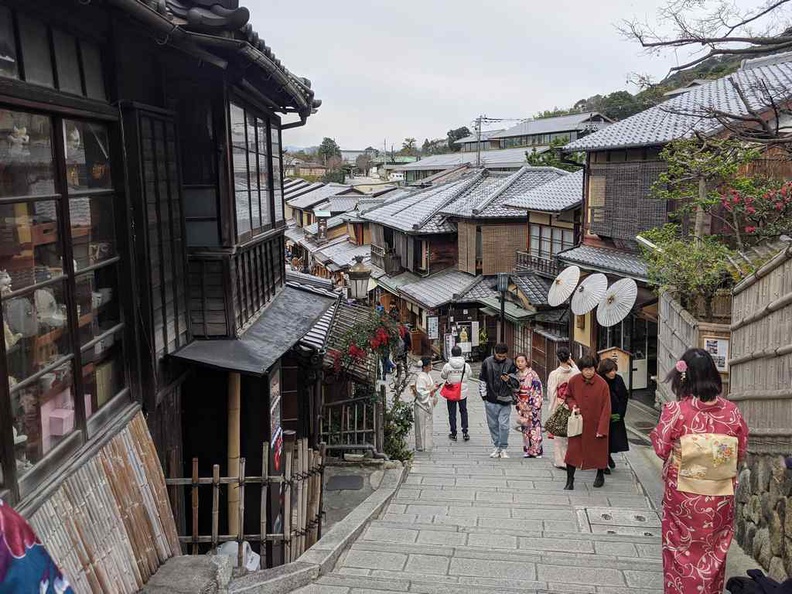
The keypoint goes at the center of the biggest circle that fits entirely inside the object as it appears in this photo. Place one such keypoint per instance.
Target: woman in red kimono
(588, 393)
(702, 437)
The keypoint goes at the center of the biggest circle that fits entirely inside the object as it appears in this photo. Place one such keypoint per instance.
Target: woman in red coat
(589, 393)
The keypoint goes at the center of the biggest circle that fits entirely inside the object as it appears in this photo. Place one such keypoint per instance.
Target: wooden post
(322, 454)
(195, 506)
(234, 406)
(215, 506)
(288, 453)
(313, 497)
(241, 517)
(264, 495)
(306, 485)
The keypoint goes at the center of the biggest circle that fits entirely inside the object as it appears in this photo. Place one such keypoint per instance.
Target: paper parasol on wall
(589, 293)
(617, 302)
(563, 286)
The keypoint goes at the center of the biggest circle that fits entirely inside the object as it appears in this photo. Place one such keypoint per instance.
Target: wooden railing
(528, 262)
(302, 482)
(354, 422)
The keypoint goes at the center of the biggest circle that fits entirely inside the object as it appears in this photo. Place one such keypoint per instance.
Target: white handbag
(575, 424)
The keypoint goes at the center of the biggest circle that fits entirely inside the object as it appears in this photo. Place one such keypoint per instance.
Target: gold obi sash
(707, 463)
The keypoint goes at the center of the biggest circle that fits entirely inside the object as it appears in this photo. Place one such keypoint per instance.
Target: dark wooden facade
(184, 233)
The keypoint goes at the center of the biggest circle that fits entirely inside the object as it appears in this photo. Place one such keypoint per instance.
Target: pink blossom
(750, 229)
(681, 366)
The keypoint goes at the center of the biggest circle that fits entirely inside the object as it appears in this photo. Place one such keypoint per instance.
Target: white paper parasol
(617, 302)
(589, 293)
(563, 286)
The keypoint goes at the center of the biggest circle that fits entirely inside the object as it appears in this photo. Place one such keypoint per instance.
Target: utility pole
(478, 141)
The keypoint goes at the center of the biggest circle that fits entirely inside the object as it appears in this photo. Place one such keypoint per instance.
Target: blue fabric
(498, 416)
(25, 565)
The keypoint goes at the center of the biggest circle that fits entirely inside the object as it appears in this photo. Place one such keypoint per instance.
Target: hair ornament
(681, 367)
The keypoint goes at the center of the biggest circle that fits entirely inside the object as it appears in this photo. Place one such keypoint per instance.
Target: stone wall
(764, 513)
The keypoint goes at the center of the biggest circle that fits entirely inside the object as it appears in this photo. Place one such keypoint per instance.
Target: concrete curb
(322, 557)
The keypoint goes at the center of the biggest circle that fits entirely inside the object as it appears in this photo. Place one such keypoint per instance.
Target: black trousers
(452, 414)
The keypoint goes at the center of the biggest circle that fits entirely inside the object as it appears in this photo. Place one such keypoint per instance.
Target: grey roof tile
(685, 114)
(341, 253)
(485, 135)
(321, 194)
(299, 190)
(557, 195)
(567, 123)
(606, 260)
(533, 286)
(339, 204)
(512, 158)
(332, 223)
(294, 233)
(438, 289)
(483, 289)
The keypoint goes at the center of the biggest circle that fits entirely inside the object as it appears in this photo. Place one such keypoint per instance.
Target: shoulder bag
(558, 422)
(453, 392)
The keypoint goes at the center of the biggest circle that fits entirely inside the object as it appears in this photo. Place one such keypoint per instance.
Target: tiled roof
(416, 212)
(339, 204)
(533, 286)
(446, 175)
(294, 233)
(332, 223)
(685, 114)
(341, 254)
(606, 260)
(485, 135)
(558, 195)
(490, 197)
(310, 280)
(513, 158)
(512, 311)
(392, 283)
(314, 197)
(567, 123)
(346, 316)
(483, 289)
(300, 189)
(438, 289)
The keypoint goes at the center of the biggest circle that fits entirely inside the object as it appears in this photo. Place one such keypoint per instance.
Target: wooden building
(141, 191)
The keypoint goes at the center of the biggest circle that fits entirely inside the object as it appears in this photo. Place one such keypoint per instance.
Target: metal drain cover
(626, 522)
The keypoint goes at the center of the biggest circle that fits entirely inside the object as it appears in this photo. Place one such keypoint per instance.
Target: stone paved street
(464, 522)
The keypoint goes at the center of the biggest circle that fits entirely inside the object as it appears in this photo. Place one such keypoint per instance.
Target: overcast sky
(417, 68)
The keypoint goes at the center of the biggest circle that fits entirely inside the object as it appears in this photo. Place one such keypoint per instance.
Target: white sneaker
(495, 453)
(503, 454)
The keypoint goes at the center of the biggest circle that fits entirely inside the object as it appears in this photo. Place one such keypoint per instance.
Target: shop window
(67, 62)
(277, 171)
(547, 242)
(252, 181)
(62, 320)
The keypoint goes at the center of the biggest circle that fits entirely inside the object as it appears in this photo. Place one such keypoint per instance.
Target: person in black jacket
(497, 384)
(617, 438)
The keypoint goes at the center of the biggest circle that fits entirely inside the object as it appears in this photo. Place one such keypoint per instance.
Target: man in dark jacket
(497, 384)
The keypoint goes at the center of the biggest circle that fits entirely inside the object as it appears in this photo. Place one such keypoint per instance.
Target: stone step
(429, 533)
(357, 582)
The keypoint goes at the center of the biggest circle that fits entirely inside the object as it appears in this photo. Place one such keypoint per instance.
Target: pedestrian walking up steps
(463, 522)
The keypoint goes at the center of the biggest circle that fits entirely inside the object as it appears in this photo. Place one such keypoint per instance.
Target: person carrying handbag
(425, 391)
(455, 391)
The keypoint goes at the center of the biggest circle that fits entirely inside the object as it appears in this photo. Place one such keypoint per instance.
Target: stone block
(761, 547)
(189, 574)
(743, 493)
(777, 571)
(616, 549)
(776, 527)
(391, 535)
(595, 576)
(375, 560)
(644, 579)
(427, 564)
(492, 540)
(488, 567)
(437, 537)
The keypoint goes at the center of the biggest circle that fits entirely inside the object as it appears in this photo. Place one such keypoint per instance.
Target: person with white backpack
(456, 373)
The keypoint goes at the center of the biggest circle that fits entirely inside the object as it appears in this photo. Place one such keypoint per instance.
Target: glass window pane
(255, 201)
(26, 162)
(266, 215)
(263, 147)
(241, 190)
(103, 372)
(30, 249)
(278, 185)
(43, 415)
(92, 68)
(8, 57)
(534, 245)
(200, 202)
(67, 62)
(97, 302)
(35, 51)
(569, 239)
(87, 155)
(36, 331)
(238, 127)
(92, 230)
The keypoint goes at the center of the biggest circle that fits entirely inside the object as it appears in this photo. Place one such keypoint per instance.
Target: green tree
(409, 147)
(699, 170)
(454, 135)
(554, 157)
(328, 149)
(691, 270)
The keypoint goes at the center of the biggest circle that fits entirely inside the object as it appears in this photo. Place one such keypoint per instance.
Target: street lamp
(359, 275)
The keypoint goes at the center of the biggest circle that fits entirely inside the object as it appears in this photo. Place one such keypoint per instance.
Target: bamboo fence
(109, 526)
(301, 486)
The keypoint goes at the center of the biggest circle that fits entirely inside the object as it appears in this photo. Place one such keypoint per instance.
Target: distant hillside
(622, 104)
